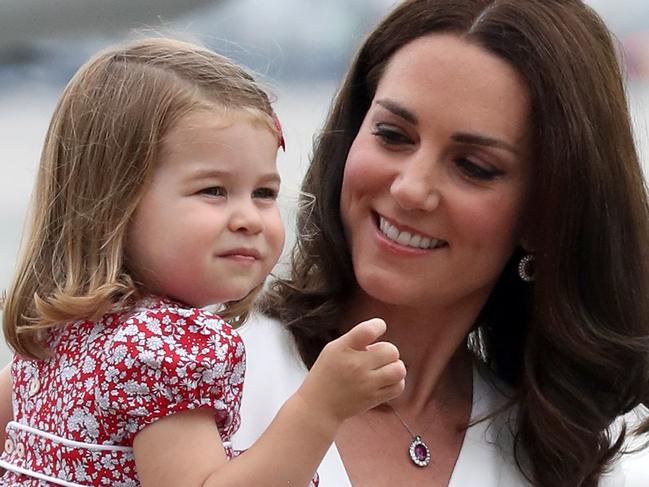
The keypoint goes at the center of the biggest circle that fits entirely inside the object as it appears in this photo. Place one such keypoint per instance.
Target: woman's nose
(416, 186)
(245, 217)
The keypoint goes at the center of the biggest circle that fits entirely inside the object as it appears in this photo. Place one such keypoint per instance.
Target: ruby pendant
(419, 452)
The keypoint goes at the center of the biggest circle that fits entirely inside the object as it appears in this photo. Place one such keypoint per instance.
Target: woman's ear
(524, 243)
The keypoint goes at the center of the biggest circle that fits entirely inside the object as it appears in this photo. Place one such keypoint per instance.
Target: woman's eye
(265, 193)
(477, 171)
(214, 191)
(390, 135)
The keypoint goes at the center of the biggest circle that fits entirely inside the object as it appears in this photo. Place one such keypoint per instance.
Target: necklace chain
(405, 425)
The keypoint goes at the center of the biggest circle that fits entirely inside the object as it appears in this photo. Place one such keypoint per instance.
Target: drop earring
(526, 268)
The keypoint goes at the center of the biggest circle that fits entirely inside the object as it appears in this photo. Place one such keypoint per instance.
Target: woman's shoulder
(274, 371)
(486, 457)
(488, 449)
(270, 347)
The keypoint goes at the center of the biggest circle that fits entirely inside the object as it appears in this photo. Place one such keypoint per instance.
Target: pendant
(419, 452)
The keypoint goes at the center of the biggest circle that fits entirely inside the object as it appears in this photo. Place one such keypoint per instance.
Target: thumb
(364, 334)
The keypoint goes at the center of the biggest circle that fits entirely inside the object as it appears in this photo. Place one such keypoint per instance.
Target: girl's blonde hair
(101, 147)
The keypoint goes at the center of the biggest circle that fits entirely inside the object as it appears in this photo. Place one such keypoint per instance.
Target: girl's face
(208, 229)
(435, 181)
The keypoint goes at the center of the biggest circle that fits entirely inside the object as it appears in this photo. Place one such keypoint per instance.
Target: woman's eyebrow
(484, 140)
(398, 110)
(462, 137)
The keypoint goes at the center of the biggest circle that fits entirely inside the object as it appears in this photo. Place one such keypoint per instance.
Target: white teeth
(407, 238)
(404, 238)
(391, 232)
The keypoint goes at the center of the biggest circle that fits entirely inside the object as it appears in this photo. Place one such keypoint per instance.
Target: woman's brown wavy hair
(574, 344)
(101, 147)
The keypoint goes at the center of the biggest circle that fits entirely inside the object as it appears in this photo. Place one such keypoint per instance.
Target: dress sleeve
(168, 360)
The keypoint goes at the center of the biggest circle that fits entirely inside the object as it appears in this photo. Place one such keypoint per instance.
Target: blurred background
(300, 48)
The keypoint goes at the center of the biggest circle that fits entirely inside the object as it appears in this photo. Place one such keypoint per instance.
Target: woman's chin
(386, 290)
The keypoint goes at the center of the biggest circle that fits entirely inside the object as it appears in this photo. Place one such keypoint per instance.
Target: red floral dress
(77, 413)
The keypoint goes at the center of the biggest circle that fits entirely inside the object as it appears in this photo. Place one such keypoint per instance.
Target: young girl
(156, 197)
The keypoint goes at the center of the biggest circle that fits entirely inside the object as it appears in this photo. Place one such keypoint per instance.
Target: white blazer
(275, 371)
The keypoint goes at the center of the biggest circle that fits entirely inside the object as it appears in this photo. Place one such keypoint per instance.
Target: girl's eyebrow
(206, 173)
(462, 137)
(271, 177)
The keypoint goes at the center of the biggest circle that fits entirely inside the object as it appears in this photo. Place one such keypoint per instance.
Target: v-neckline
(342, 477)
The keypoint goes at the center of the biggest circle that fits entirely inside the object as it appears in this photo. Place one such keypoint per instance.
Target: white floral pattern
(109, 379)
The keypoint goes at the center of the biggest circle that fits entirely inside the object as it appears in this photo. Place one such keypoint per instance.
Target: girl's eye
(477, 171)
(265, 193)
(390, 135)
(214, 191)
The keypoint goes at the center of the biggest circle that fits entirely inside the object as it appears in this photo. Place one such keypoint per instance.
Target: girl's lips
(241, 254)
(241, 259)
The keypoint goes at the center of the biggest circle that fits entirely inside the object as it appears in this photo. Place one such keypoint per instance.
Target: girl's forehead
(207, 139)
(218, 117)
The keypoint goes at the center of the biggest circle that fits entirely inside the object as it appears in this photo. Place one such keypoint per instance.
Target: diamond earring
(526, 268)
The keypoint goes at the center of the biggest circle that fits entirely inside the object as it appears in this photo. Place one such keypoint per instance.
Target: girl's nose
(416, 186)
(245, 217)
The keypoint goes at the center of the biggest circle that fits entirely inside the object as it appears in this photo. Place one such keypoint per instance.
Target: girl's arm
(6, 410)
(351, 375)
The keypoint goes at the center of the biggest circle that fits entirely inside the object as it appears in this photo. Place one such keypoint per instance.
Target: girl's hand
(353, 374)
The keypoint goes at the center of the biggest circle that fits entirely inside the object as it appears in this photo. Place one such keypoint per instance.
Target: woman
(476, 185)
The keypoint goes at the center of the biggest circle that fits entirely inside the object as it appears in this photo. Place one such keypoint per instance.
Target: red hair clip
(280, 134)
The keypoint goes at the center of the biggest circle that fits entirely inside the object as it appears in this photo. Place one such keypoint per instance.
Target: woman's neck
(431, 343)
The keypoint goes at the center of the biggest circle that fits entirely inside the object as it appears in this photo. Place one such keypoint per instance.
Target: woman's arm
(352, 375)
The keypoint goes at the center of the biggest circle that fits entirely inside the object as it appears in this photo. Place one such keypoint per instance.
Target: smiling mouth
(408, 239)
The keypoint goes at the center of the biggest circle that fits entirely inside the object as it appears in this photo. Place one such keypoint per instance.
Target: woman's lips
(407, 237)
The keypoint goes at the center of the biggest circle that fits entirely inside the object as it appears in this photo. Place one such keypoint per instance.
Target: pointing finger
(364, 334)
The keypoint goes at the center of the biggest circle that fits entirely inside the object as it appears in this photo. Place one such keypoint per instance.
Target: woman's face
(435, 181)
